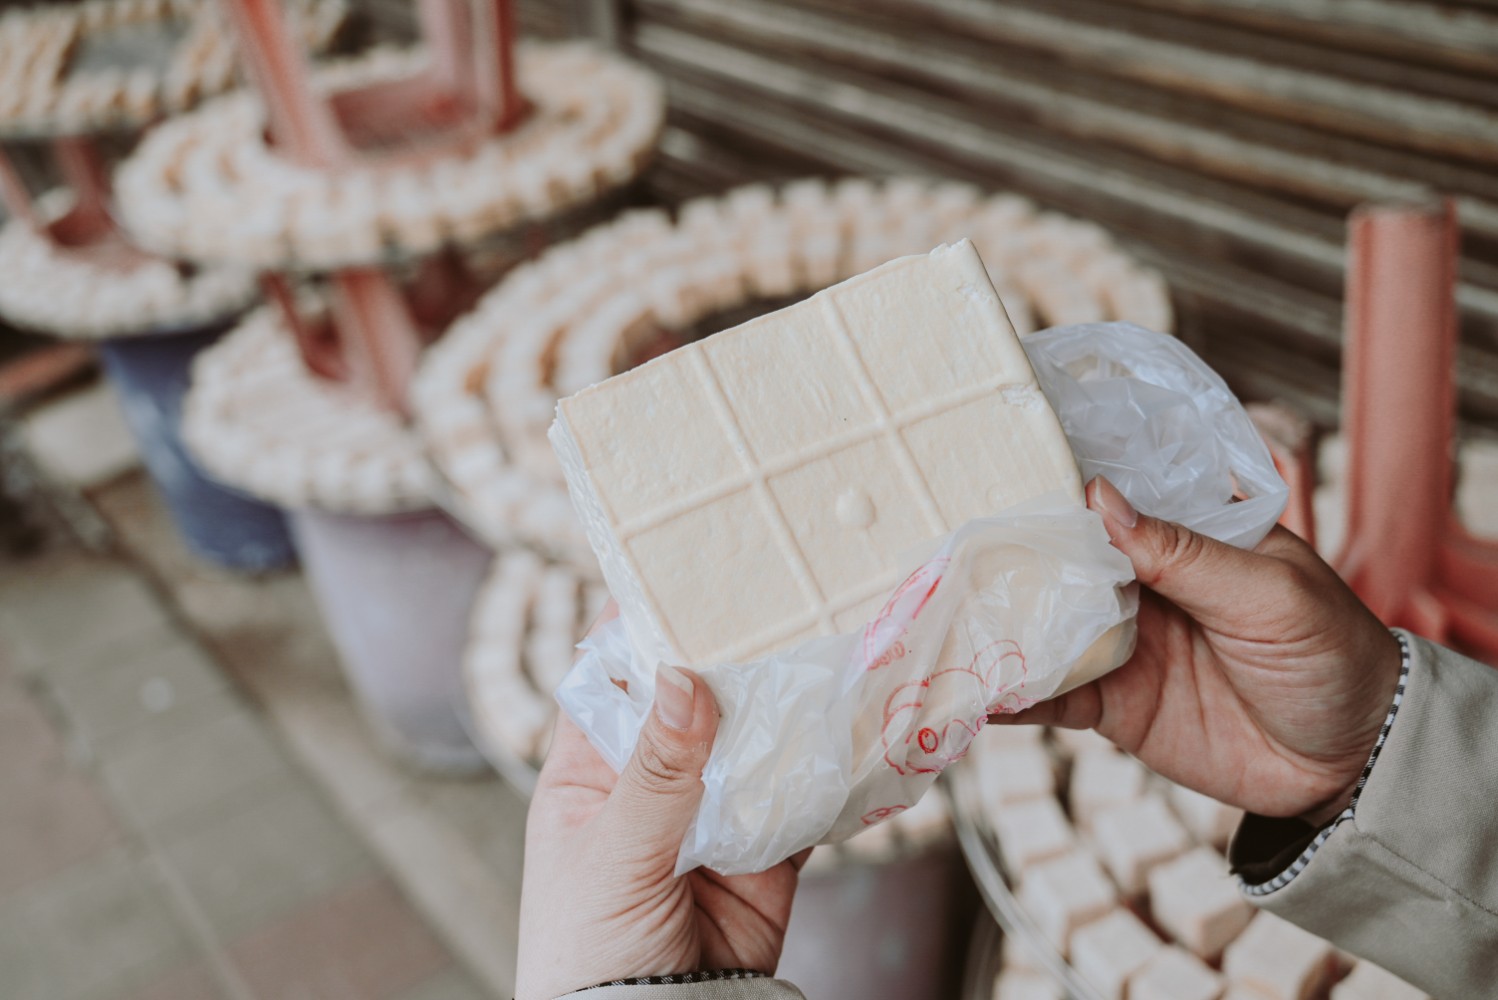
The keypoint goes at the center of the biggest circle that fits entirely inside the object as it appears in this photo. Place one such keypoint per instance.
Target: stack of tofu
(1124, 874)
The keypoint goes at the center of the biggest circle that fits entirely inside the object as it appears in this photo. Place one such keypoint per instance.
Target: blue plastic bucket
(151, 375)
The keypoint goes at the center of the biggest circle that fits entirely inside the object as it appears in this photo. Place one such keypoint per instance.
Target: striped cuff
(679, 978)
(1297, 866)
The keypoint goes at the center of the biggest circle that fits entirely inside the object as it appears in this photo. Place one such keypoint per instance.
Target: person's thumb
(657, 794)
(1200, 575)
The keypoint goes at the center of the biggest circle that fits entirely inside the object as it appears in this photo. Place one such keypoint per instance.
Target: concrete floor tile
(66, 609)
(106, 697)
(190, 982)
(475, 908)
(97, 927)
(487, 813)
(268, 854)
(203, 766)
(450, 984)
(363, 940)
(54, 816)
(81, 439)
(329, 735)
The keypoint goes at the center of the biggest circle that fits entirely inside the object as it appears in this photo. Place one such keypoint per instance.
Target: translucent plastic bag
(1142, 409)
(835, 734)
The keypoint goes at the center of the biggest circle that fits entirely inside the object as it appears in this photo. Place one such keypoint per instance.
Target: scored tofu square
(760, 486)
(1279, 960)
(1066, 894)
(1212, 821)
(1032, 832)
(1134, 838)
(1102, 779)
(1175, 975)
(1019, 984)
(1013, 774)
(1108, 951)
(1196, 900)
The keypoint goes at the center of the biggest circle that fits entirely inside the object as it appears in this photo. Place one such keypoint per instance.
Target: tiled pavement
(190, 807)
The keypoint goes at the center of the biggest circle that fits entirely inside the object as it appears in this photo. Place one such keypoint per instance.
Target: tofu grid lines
(756, 476)
(795, 556)
(885, 425)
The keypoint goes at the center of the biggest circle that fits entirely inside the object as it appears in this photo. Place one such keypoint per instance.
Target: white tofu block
(1175, 975)
(1030, 833)
(1108, 951)
(1279, 960)
(1134, 838)
(1211, 821)
(1196, 901)
(1103, 780)
(760, 485)
(1010, 775)
(1369, 982)
(1018, 984)
(1066, 894)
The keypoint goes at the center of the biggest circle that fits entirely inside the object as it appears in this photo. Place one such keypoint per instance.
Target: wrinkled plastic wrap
(825, 738)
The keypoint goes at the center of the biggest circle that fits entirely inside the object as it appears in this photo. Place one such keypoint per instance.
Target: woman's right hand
(1260, 679)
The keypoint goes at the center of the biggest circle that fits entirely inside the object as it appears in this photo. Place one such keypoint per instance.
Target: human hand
(1259, 679)
(600, 901)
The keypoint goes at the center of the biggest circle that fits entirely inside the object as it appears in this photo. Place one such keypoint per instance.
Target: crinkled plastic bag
(1142, 409)
(825, 738)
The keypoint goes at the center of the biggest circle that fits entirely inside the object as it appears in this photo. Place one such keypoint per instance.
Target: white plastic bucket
(395, 592)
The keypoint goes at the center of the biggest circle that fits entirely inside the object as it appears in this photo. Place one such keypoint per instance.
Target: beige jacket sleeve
(1407, 877)
(736, 989)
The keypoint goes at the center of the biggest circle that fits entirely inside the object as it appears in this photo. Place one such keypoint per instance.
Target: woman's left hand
(600, 901)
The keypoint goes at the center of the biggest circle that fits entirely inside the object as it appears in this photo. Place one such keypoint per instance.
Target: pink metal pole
(300, 121)
(500, 104)
(377, 331)
(1398, 402)
(1406, 555)
(1291, 442)
(14, 194)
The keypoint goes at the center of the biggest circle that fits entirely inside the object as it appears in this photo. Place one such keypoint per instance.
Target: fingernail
(1115, 507)
(675, 698)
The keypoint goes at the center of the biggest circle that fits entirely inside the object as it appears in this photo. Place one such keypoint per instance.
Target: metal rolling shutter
(1222, 140)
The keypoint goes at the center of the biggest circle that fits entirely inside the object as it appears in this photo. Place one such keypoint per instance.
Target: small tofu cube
(1134, 838)
(1279, 960)
(1197, 902)
(1017, 774)
(1100, 780)
(1369, 982)
(1018, 984)
(1015, 955)
(1174, 974)
(1213, 822)
(1066, 894)
(1032, 832)
(1108, 951)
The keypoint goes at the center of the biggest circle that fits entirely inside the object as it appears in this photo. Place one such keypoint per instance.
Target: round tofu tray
(1107, 881)
(985, 957)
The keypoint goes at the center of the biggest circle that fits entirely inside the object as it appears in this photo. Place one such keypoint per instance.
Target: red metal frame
(468, 94)
(1406, 555)
(88, 229)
